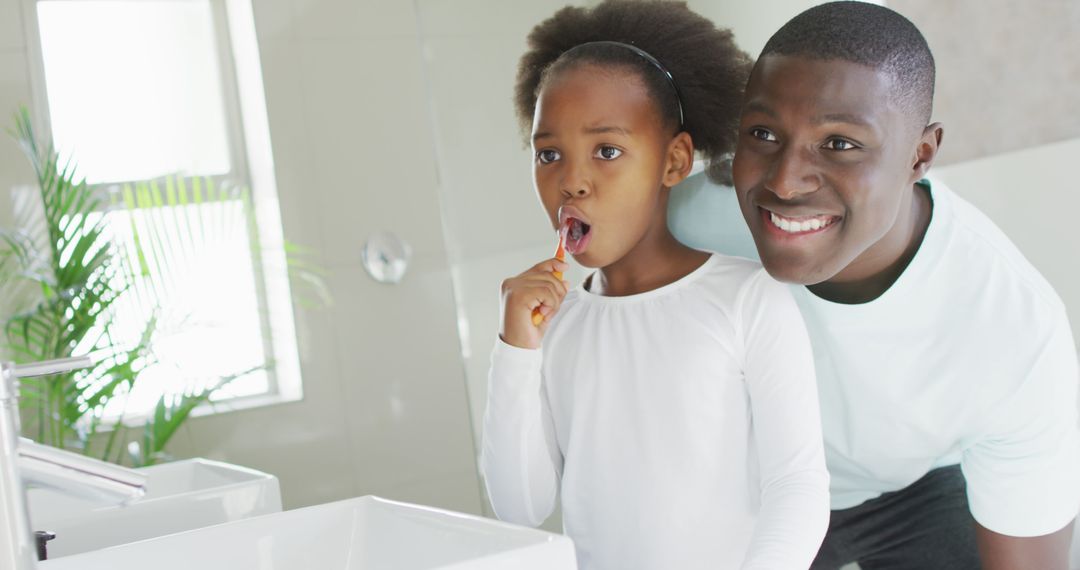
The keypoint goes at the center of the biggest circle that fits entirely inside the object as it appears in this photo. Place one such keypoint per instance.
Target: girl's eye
(839, 144)
(608, 153)
(762, 134)
(547, 156)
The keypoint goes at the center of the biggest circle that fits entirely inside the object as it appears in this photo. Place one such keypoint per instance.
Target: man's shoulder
(705, 215)
(978, 249)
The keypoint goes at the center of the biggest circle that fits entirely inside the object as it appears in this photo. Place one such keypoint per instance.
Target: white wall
(14, 90)
(753, 22)
(385, 410)
(494, 223)
(1024, 89)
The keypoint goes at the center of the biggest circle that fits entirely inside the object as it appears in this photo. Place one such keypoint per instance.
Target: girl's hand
(537, 287)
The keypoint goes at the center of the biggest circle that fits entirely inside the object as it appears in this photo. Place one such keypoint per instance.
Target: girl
(670, 398)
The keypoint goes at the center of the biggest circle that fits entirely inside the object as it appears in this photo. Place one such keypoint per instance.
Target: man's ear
(680, 159)
(926, 151)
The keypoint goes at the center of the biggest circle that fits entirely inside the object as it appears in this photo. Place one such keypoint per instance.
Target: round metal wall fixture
(386, 257)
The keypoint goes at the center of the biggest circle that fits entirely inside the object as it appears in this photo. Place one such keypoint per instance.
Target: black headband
(644, 55)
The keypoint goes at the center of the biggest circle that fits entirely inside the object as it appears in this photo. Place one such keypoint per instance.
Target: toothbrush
(560, 254)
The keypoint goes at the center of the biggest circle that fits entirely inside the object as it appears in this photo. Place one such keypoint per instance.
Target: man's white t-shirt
(967, 359)
(680, 426)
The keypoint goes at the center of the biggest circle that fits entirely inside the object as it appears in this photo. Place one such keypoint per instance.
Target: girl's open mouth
(577, 236)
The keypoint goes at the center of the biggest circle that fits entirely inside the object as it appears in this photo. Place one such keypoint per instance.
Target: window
(135, 88)
(161, 102)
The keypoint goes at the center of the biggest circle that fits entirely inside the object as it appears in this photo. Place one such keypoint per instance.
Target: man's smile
(797, 225)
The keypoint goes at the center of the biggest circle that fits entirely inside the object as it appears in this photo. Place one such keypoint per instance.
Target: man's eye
(762, 134)
(547, 156)
(839, 144)
(608, 152)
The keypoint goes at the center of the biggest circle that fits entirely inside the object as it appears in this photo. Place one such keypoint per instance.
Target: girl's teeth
(795, 226)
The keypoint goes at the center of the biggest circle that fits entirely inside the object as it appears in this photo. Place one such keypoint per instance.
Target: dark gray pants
(924, 526)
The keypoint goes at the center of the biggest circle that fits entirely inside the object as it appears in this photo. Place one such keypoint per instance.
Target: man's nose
(792, 175)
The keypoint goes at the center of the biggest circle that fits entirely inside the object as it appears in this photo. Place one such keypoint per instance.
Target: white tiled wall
(327, 19)
(14, 90)
(385, 410)
(753, 22)
(11, 31)
(495, 226)
(1023, 93)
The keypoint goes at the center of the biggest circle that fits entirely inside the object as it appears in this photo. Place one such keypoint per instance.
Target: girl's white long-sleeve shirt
(680, 426)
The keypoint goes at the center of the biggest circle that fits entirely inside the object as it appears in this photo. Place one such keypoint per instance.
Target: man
(946, 366)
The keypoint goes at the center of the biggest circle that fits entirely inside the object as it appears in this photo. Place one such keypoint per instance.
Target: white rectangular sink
(180, 496)
(366, 533)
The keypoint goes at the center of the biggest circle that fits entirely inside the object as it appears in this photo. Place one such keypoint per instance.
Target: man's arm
(1002, 552)
(1023, 474)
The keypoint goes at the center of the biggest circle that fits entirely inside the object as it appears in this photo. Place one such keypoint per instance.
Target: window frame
(251, 165)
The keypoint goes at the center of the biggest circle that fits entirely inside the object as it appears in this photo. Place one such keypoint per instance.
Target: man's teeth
(797, 226)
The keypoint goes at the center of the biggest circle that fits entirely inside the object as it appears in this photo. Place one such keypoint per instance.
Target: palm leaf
(70, 277)
(172, 411)
(65, 252)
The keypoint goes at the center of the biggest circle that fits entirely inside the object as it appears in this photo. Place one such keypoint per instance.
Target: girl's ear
(680, 159)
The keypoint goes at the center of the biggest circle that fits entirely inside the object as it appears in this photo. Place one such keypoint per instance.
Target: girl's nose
(575, 183)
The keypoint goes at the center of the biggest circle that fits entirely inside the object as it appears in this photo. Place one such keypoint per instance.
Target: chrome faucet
(43, 465)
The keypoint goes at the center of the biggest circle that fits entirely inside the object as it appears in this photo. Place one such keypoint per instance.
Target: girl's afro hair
(709, 70)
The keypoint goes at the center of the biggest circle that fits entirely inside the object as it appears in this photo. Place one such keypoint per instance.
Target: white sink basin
(366, 533)
(180, 496)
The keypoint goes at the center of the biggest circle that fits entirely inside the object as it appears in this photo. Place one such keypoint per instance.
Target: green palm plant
(69, 285)
(60, 289)
(173, 225)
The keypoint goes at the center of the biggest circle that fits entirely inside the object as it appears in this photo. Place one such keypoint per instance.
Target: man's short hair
(866, 34)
